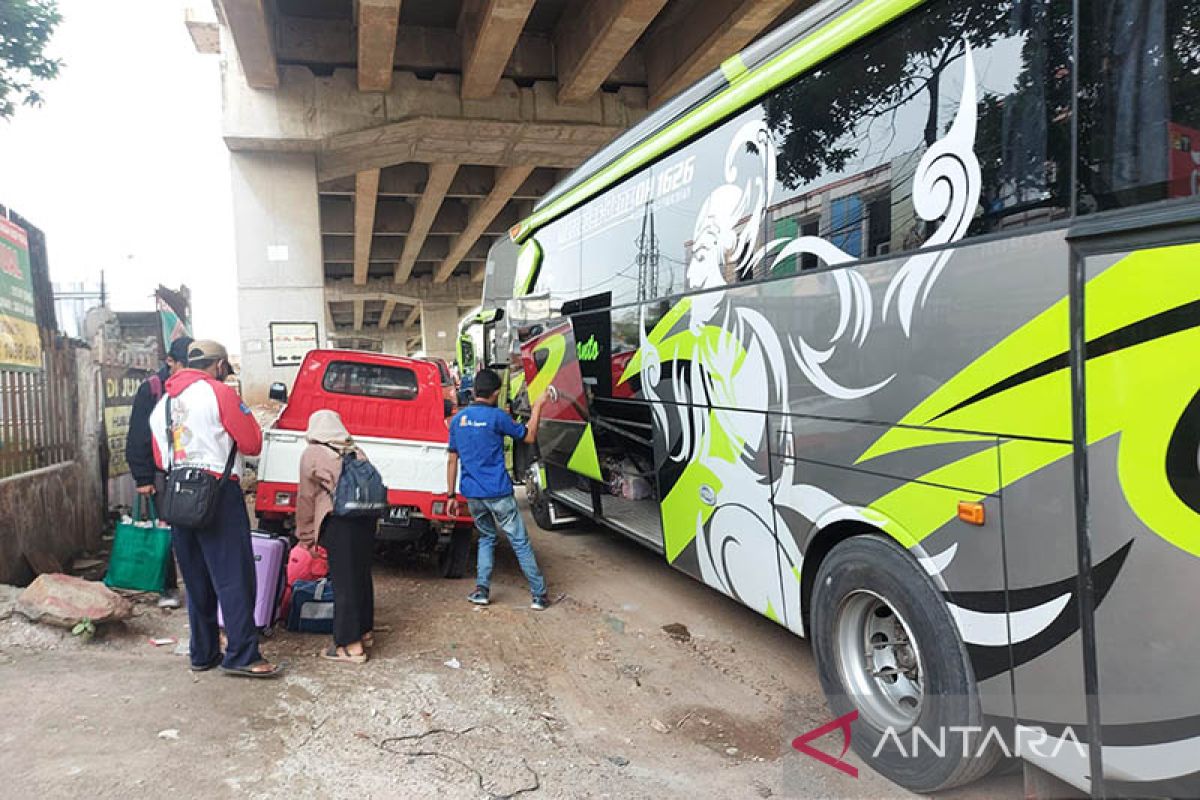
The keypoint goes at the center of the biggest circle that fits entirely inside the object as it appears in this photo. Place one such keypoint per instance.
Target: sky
(124, 168)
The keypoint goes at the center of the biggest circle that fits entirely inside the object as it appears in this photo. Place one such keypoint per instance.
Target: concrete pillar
(395, 343)
(439, 330)
(281, 277)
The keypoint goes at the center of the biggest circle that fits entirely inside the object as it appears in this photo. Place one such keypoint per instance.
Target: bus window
(851, 134)
(560, 279)
(1139, 103)
(704, 229)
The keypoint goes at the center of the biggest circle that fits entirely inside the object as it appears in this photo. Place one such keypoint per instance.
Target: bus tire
(540, 509)
(539, 503)
(453, 559)
(872, 597)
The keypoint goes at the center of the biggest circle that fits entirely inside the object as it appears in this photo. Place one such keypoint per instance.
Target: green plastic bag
(139, 554)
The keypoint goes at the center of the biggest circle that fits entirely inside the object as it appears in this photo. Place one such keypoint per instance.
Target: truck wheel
(452, 561)
(887, 647)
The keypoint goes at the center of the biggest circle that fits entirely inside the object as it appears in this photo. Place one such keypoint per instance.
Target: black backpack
(360, 491)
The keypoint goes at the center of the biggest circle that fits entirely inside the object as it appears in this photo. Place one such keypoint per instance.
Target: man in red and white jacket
(217, 562)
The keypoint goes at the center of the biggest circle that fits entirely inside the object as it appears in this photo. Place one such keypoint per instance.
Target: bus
(889, 330)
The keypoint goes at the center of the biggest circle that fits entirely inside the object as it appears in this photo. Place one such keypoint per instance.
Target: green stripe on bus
(555, 348)
(584, 460)
(838, 34)
(734, 69)
(1138, 393)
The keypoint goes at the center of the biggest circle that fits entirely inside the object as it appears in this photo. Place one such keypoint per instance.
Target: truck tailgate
(405, 465)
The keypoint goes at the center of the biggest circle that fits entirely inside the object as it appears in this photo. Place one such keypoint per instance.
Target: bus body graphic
(884, 292)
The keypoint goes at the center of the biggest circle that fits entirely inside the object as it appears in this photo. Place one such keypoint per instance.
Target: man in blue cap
(139, 452)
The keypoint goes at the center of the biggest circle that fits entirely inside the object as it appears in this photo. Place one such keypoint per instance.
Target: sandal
(335, 653)
(250, 672)
(216, 662)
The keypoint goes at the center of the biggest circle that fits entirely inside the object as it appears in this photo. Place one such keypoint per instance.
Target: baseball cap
(179, 349)
(205, 351)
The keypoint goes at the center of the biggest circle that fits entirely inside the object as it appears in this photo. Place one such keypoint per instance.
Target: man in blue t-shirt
(477, 440)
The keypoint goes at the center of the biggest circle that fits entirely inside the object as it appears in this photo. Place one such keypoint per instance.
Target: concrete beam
(253, 39)
(377, 23)
(389, 308)
(326, 44)
(205, 33)
(366, 189)
(423, 121)
(440, 177)
(394, 218)
(471, 182)
(412, 317)
(507, 181)
(477, 271)
(359, 305)
(690, 41)
(413, 293)
(489, 31)
(387, 249)
(591, 41)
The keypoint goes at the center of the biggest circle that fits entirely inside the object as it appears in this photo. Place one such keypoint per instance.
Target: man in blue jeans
(477, 440)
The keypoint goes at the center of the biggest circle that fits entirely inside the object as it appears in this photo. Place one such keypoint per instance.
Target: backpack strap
(349, 451)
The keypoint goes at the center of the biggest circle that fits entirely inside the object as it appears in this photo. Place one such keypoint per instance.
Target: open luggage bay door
(551, 364)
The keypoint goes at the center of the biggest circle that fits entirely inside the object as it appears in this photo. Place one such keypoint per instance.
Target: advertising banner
(120, 387)
(20, 342)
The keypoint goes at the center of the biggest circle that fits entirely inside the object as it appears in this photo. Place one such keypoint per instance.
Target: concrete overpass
(379, 147)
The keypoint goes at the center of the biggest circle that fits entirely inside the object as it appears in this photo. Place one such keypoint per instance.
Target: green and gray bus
(890, 330)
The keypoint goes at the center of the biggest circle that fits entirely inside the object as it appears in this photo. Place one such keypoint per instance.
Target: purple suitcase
(270, 558)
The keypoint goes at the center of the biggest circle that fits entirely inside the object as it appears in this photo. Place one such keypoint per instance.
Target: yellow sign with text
(20, 342)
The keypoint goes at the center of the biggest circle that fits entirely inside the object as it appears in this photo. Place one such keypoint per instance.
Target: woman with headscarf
(348, 540)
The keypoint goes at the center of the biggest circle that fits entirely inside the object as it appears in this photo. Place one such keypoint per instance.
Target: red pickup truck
(394, 409)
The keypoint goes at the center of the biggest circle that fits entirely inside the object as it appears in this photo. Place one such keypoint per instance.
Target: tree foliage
(812, 116)
(25, 29)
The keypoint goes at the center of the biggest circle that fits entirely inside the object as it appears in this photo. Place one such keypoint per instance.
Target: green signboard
(20, 342)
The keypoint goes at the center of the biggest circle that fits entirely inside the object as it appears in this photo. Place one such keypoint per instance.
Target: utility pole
(647, 257)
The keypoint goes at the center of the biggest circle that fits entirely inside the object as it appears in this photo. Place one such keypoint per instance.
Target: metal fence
(39, 413)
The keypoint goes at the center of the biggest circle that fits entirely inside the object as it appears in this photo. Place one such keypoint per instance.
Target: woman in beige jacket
(350, 541)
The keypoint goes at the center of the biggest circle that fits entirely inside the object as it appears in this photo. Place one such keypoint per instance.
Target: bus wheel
(888, 649)
(539, 503)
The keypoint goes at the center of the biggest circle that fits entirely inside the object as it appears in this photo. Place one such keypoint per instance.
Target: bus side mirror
(278, 392)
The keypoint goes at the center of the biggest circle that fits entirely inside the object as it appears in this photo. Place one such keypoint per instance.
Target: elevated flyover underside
(391, 141)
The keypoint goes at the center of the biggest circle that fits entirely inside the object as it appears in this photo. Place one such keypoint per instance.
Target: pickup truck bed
(417, 470)
(394, 409)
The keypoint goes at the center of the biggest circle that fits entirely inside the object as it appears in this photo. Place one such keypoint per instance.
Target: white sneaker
(169, 600)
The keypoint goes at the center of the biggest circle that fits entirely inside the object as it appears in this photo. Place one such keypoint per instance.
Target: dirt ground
(591, 698)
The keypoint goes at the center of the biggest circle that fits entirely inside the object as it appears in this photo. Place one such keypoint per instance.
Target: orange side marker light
(971, 513)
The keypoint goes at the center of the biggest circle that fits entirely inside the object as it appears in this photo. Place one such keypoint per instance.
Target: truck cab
(395, 409)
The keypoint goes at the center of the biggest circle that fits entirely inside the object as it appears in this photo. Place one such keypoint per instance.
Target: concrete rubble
(65, 600)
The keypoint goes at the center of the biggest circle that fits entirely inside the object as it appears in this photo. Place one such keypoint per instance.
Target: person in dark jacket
(139, 452)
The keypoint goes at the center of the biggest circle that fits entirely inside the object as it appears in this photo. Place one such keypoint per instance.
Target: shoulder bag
(191, 495)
